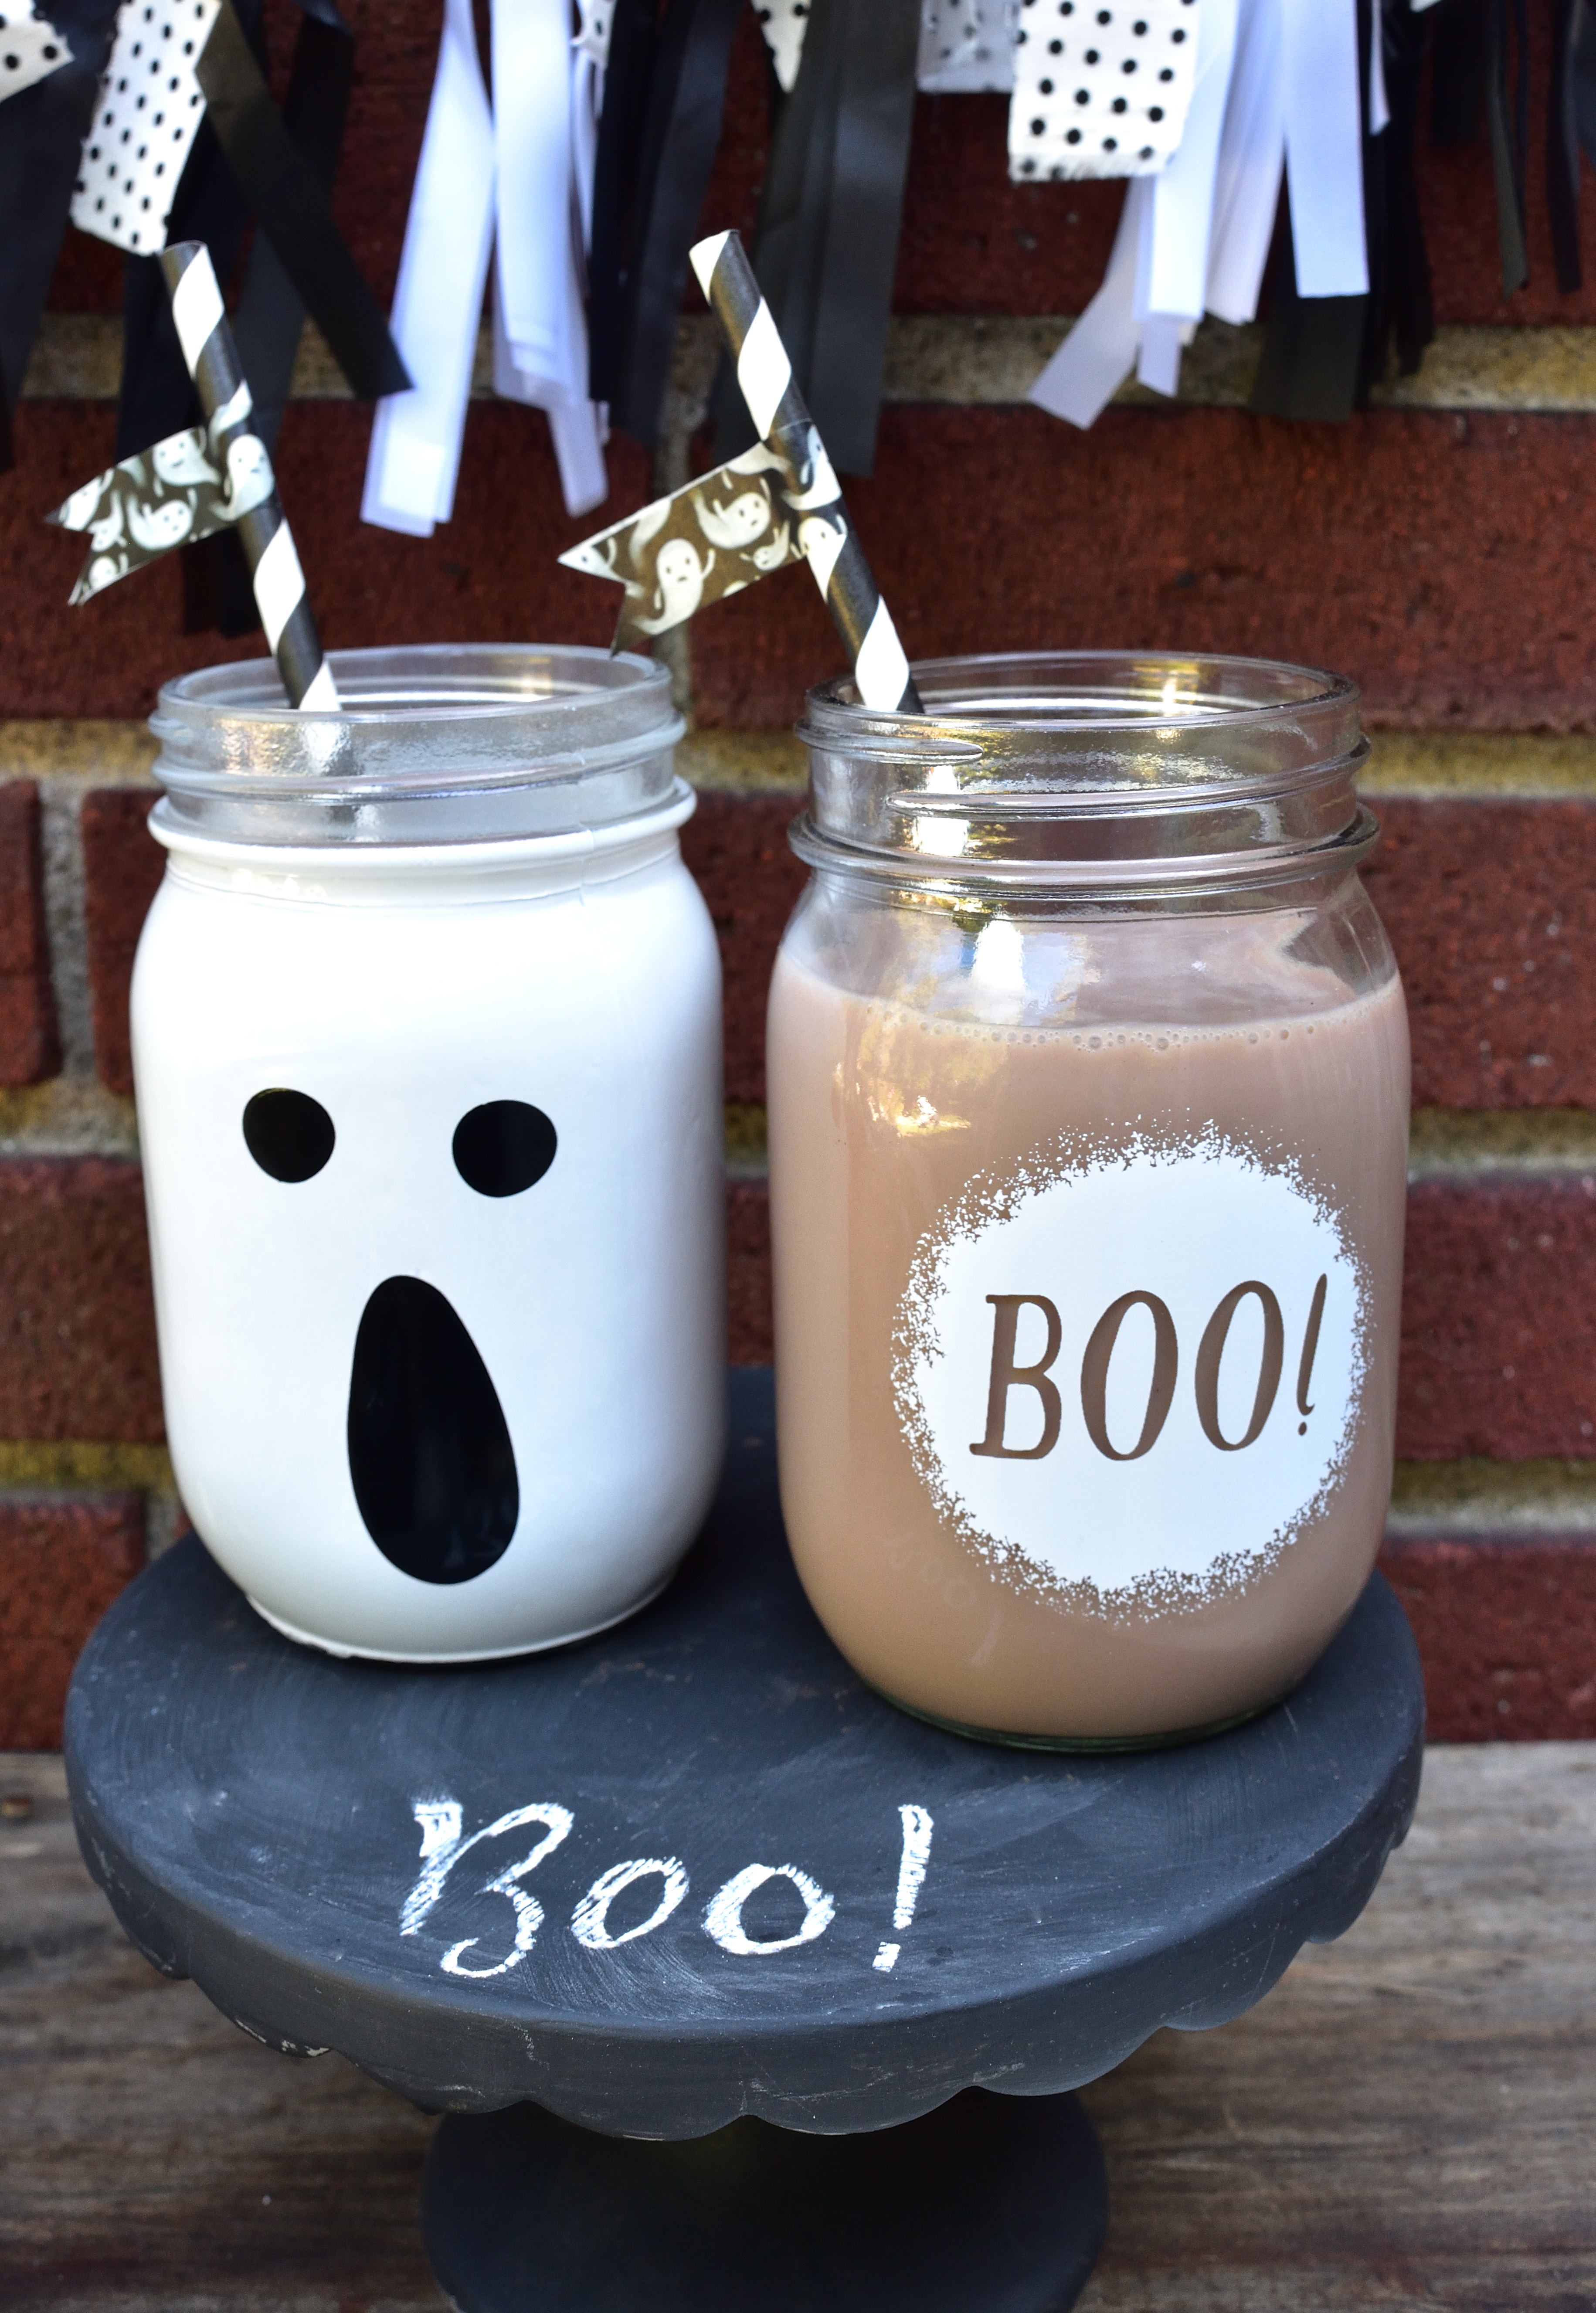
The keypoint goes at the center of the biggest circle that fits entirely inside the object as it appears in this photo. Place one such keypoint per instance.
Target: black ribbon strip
(41, 137)
(686, 98)
(617, 168)
(1404, 310)
(790, 237)
(292, 209)
(1583, 78)
(1482, 81)
(1562, 146)
(1323, 355)
(1507, 118)
(270, 315)
(827, 247)
(1458, 83)
(1313, 347)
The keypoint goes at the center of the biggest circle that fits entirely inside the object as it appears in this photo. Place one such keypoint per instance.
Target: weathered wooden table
(1409, 2121)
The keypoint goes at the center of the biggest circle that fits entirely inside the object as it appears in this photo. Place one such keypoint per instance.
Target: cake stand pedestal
(661, 1887)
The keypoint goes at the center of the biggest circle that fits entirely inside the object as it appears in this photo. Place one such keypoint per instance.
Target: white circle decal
(1130, 1376)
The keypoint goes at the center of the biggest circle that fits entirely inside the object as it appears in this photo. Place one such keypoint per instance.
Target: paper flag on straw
(30, 48)
(179, 491)
(778, 503)
(709, 540)
(830, 543)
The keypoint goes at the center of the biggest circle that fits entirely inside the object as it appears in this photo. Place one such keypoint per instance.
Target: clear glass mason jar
(1088, 1093)
(426, 1042)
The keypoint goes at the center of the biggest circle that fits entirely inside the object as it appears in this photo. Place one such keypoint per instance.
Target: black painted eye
(288, 1134)
(504, 1147)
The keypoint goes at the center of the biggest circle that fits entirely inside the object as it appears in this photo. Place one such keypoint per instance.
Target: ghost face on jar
(414, 1290)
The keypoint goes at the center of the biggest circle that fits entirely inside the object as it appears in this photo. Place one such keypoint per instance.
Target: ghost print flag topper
(202, 480)
(709, 540)
(777, 502)
(184, 490)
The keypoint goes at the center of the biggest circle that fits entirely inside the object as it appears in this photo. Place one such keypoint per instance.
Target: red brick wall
(1443, 557)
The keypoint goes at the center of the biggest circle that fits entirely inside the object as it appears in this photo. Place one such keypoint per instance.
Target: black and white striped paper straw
(764, 375)
(267, 540)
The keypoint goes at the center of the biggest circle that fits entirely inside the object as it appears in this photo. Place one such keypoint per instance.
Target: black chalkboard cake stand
(691, 1881)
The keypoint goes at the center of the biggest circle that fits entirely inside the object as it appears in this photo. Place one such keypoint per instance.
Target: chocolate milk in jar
(1088, 1092)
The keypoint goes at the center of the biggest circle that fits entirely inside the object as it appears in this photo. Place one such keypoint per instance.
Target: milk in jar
(1088, 1091)
(426, 1042)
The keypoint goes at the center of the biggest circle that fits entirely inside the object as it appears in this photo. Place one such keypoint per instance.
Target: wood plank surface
(1409, 2121)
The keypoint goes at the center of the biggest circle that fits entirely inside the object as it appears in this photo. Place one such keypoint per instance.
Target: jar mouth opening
(1064, 762)
(435, 743)
(1098, 693)
(416, 683)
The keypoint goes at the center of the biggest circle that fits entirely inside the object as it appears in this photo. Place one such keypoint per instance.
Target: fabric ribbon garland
(290, 204)
(519, 175)
(1276, 88)
(184, 63)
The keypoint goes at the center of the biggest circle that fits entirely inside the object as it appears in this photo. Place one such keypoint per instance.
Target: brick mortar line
(972, 361)
(1487, 766)
(1511, 1504)
(1493, 1501)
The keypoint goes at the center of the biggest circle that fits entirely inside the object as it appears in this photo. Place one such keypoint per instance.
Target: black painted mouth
(429, 1450)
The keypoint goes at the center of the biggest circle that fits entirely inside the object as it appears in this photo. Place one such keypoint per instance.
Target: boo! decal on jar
(1130, 1376)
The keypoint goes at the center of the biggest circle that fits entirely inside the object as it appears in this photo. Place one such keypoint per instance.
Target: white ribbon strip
(1100, 351)
(1277, 87)
(541, 83)
(415, 438)
(1183, 192)
(1252, 154)
(525, 166)
(1324, 146)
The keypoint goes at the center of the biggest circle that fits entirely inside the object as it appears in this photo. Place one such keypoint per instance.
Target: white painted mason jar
(427, 1044)
(1088, 1085)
